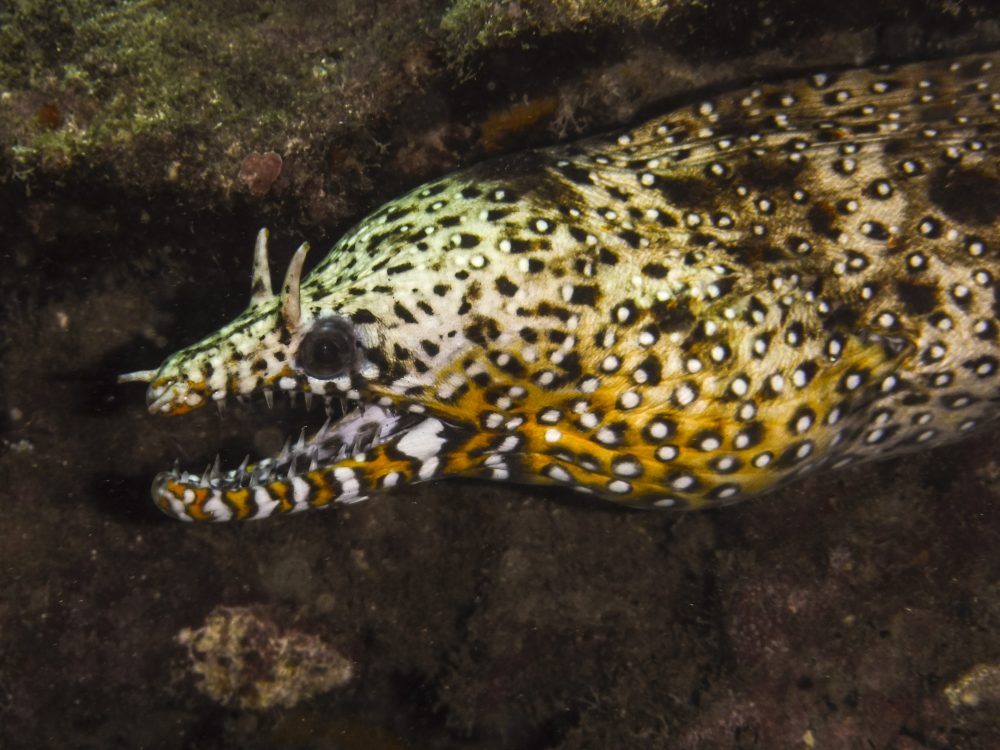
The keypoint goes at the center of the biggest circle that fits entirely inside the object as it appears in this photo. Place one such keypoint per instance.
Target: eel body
(792, 276)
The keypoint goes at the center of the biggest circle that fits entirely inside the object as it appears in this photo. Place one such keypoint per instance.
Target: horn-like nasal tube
(139, 376)
(291, 310)
(260, 288)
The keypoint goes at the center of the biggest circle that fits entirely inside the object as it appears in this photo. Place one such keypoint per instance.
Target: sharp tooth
(313, 465)
(269, 398)
(291, 468)
(177, 467)
(328, 403)
(254, 481)
(216, 467)
(243, 464)
(205, 475)
(221, 406)
(291, 398)
(286, 448)
(301, 444)
(308, 398)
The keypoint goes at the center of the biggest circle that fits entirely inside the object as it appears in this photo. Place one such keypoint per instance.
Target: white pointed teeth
(291, 309)
(260, 288)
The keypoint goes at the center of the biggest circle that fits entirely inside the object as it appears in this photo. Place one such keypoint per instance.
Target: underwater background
(143, 144)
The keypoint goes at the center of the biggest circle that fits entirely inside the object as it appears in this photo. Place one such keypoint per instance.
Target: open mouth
(316, 469)
(350, 429)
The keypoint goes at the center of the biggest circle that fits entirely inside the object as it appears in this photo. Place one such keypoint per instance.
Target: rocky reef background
(142, 144)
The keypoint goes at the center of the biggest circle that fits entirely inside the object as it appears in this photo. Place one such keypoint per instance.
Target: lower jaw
(309, 473)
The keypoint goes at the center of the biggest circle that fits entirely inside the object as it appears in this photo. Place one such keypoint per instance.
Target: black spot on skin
(607, 257)
(749, 437)
(584, 295)
(917, 299)
(822, 220)
(403, 314)
(666, 221)
(576, 174)
(966, 194)
(506, 287)
(670, 317)
(430, 347)
(770, 175)
(653, 369)
(631, 237)
(687, 192)
(655, 271)
(511, 366)
(401, 268)
(363, 316)
(449, 221)
(470, 192)
(535, 265)
(877, 231)
(988, 332)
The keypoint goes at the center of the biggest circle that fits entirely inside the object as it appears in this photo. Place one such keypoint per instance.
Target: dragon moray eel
(792, 276)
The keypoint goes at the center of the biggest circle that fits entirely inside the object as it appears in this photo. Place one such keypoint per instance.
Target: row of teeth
(323, 446)
(330, 403)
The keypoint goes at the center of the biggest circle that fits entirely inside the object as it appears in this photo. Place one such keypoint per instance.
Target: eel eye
(328, 349)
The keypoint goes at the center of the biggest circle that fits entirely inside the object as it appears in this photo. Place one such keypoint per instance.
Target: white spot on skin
(630, 400)
(218, 510)
(550, 416)
(509, 444)
(266, 505)
(559, 474)
(553, 436)
(667, 452)
(685, 395)
(429, 468)
(423, 441)
(606, 436)
(682, 482)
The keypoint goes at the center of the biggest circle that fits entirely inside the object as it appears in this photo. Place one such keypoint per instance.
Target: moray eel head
(303, 340)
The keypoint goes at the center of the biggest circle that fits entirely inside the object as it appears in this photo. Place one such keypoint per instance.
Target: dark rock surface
(145, 143)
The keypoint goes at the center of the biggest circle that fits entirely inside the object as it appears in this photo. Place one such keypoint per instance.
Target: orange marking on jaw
(239, 499)
(279, 491)
(197, 509)
(322, 494)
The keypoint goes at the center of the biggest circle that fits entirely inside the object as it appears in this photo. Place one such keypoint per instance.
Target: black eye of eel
(328, 349)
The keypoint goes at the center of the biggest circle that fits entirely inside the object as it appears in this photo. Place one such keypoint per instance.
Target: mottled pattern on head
(754, 286)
